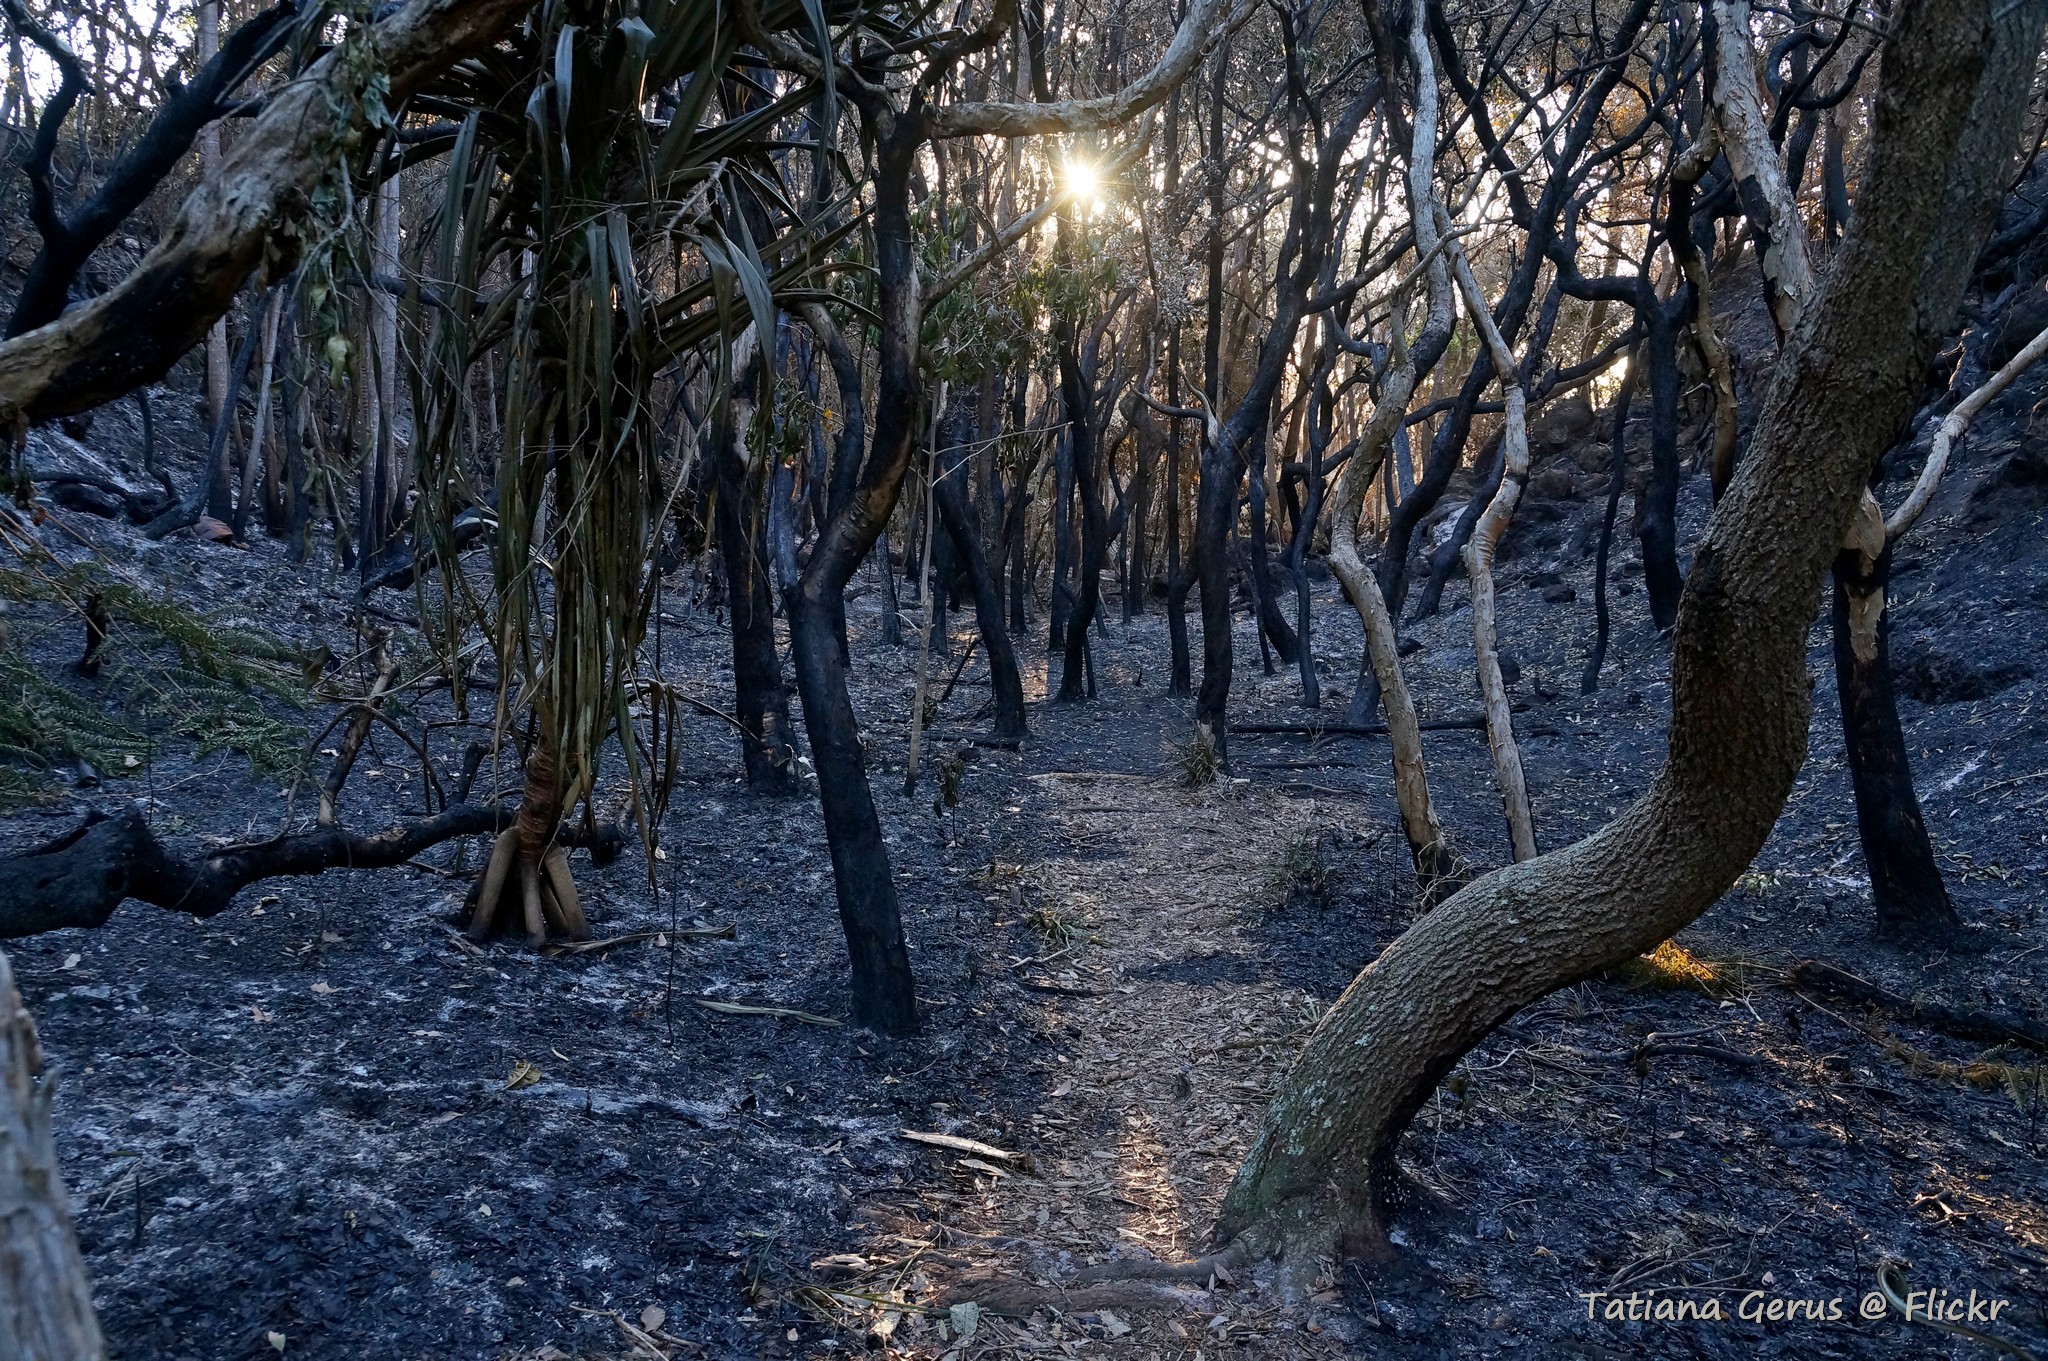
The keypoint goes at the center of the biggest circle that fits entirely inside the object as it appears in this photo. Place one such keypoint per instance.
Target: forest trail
(1169, 1035)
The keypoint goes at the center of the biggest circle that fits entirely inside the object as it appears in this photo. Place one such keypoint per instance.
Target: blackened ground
(296, 1119)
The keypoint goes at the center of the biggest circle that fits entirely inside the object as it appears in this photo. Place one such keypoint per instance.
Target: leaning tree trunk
(45, 1296)
(233, 222)
(1312, 1183)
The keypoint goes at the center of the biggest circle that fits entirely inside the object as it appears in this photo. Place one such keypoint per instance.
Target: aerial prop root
(542, 896)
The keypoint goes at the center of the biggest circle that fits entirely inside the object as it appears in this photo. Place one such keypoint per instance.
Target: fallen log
(1961, 1022)
(1473, 722)
(81, 877)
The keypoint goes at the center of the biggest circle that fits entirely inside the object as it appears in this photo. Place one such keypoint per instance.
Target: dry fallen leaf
(848, 1263)
(652, 1317)
(71, 961)
(257, 1013)
(275, 1339)
(524, 1074)
(323, 987)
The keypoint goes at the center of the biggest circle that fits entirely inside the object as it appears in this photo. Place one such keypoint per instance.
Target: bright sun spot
(1084, 182)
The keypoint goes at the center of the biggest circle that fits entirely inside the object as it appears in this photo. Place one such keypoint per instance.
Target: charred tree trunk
(1617, 477)
(760, 701)
(884, 995)
(1062, 599)
(1077, 391)
(1180, 673)
(1272, 620)
(79, 879)
(1905, 883)
(1657, 526)
(1005, 682)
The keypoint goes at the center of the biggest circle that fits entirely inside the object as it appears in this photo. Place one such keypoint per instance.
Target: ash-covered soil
(299, 1118)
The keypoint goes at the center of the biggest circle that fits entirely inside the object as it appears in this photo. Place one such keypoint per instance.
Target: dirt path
(1165, 1035)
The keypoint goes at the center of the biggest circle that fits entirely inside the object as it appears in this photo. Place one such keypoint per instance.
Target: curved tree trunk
(884, 993)
(1435, 867)
(1500, 729)
(1740, 697)
(45, 1295)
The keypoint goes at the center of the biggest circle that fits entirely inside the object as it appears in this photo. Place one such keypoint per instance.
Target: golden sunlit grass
(1671, 965)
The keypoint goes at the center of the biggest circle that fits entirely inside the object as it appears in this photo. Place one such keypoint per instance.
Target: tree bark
(1077, 392)
(884, 996)
(1906, 888)
(1486, 536)
(1945, 121)
(46, 288)
(79, 879)
(45, 1296)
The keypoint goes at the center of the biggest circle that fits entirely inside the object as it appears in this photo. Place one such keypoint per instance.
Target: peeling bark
(247, 217)
(1435, 867)
(1760, 181)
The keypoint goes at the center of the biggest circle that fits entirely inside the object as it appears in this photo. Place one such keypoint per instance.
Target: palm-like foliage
(598, 222)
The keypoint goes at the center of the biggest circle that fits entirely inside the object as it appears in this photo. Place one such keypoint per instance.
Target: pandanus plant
(590, 235)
